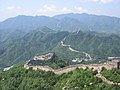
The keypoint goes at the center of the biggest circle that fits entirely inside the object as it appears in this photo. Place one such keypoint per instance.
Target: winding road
(74, 50)
(66, 69)
(69, 46)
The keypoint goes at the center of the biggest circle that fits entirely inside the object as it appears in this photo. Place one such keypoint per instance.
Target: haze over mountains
(22, 37)
(61, 22)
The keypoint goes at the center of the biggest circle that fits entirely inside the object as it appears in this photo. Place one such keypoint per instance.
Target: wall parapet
(97, 67)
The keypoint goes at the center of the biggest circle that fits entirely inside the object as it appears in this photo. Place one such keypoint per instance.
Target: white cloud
(92, 0)
(106, 1)
(65, 9)
(13, 8)
(79, 9)
(19, 7)
(49, 9)
(10, 7)
(101, 1)
(12, 11)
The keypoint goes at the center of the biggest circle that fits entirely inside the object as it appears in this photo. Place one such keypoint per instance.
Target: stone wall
(97, 67)
(109, 65)
(114, 63)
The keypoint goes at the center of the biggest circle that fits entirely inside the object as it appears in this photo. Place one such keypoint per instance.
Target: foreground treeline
(79, 79)
(112, 75)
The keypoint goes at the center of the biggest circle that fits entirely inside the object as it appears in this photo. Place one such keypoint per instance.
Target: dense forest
(19, 78)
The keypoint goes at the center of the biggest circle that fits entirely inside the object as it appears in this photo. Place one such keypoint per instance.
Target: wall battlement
(97, 67)
(110, 64)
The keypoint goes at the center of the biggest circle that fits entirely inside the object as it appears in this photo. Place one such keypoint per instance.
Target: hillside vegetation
(23, 37)
(19, 78)
(64, 22)
(13, 51)
(96, 44)
(112, 75)
(44, 40)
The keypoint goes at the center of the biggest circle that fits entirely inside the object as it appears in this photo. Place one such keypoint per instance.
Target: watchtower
(114, 62)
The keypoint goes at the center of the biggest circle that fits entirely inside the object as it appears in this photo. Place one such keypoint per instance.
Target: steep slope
(96, 23)
(36, 42)
(64, 22)
(21, 25)
(96, 44)
(79, 79)
(75, 45)
(28, 22)
(71, 25)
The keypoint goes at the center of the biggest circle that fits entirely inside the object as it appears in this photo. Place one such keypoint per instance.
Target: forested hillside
(63, 22)
(96, 44)
(59, 44)
(39, 41)
(90, 22)
(43, 40)
(23, 37)
(19, 78)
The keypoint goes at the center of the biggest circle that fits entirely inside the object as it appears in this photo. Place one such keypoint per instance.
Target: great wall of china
(74, 50)
(97, 67)
(110, 64)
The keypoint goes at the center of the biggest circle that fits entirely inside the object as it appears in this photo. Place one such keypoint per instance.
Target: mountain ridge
(99, 23)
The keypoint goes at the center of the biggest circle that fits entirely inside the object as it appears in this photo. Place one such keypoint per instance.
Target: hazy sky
(11, 8)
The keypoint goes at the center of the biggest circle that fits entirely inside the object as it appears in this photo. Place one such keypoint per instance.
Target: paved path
(70, 48)
(74, 50)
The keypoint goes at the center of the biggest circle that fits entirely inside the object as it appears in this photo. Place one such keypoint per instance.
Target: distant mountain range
(22, 37)
(20, 25)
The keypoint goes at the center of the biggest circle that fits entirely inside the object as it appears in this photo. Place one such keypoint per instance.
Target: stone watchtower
(114, 62)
